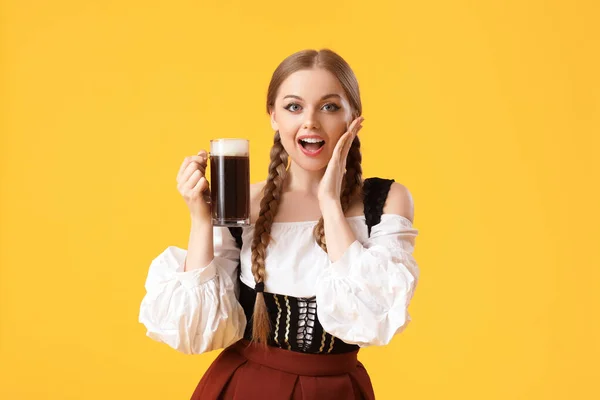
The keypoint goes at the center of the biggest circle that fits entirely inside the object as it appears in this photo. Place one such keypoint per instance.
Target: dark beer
(230, 182)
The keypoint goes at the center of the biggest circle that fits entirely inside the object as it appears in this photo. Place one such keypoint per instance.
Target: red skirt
(247, 371)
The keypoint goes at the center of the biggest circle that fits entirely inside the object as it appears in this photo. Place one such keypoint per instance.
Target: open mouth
(311, 144)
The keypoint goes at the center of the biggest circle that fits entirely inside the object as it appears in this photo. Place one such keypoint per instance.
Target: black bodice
(294, 322)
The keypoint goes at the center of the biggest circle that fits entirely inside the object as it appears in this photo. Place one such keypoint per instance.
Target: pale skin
(313, 184)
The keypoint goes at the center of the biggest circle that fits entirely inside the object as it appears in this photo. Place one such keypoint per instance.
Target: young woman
(325, 267)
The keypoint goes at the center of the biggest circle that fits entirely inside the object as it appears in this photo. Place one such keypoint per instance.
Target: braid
(261, 327)
(351, 185)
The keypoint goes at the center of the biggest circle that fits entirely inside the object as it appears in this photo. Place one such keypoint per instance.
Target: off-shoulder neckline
(300, 223)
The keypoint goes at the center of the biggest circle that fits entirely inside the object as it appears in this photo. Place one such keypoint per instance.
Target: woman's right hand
(193, 186)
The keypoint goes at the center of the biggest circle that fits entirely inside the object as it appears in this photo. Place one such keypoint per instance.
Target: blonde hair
(352, 184)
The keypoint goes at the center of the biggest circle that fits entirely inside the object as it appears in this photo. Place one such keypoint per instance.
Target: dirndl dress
(310, 364)
(302, 360)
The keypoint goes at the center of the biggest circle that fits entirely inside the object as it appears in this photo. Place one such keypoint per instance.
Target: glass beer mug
(230, 182)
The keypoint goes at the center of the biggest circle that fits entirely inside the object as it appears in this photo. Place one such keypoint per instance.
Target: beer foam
(229, 147)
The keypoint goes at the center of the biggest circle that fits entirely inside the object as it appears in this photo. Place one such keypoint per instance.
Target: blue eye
(334, 106)
(290, 106)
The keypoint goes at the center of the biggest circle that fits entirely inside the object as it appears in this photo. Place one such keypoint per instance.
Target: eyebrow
(322, 98)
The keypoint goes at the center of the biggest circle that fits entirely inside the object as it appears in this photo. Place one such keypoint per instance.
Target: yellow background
(487, 111)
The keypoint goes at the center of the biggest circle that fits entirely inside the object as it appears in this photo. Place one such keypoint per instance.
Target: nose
(310, 122)
(308, 125)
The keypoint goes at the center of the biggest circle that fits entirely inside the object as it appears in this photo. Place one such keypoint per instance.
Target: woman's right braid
(261, 327)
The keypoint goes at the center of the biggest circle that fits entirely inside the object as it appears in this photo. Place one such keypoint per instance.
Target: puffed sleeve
(194, 311)
(363, 297)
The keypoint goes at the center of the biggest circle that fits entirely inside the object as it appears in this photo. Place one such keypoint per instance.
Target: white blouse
(362, 298)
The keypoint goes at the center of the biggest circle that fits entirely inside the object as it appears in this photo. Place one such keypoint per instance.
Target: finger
(347, 145)
(355, 123)
(200, 160)
(358, 124)
(348, 141)
(339, 146)
(184, 164)
(191, 168)
(353, 135)
(194, 166)
(201, 185)
(193, 180)
(356, 131)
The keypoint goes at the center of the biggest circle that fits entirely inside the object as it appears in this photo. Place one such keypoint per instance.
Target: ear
(274, 124)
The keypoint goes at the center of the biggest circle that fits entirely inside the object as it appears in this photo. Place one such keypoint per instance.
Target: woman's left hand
(330, 188)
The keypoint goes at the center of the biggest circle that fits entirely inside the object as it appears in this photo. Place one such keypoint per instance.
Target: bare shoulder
(399, 201)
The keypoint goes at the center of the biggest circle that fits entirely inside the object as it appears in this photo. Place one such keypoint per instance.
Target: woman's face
(311, 102)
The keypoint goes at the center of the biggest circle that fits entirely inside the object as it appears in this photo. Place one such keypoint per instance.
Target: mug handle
(207, 196)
